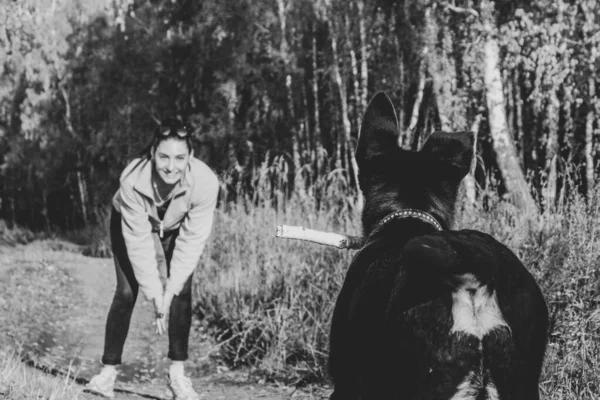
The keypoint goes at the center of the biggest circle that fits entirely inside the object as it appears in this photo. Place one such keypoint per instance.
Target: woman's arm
(193, 234)
(137, 232)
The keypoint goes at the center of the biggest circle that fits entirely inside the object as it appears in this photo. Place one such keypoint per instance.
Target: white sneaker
(180, 388)
(103, 383)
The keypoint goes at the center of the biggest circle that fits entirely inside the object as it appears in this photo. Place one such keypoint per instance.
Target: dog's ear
(451, 148)
(378, 130)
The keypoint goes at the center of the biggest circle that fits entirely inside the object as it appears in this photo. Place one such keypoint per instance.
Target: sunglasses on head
(165, 131)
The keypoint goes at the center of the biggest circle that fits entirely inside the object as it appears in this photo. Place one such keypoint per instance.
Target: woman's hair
(169, 128)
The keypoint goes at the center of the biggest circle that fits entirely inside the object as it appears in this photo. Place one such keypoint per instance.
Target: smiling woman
(172, 151)
(170, 193)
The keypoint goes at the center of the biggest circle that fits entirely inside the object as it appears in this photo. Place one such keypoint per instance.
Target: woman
(171, 194)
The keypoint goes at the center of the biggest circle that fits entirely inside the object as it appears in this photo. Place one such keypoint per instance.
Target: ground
(54, 307)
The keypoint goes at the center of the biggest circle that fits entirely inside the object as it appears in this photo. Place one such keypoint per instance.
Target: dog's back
(426, 313)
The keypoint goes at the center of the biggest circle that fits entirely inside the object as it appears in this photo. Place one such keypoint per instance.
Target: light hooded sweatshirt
(191, 211)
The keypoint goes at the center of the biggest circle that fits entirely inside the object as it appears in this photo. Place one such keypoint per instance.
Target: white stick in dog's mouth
(325, 238)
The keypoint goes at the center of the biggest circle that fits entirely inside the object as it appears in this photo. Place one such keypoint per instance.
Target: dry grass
(562, 249)
(269, 301)
(19, 382)
(13, 235)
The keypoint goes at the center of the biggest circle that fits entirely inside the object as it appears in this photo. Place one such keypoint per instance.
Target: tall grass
(17, 381)
(270, 300)
(561, 248)
(13, 235)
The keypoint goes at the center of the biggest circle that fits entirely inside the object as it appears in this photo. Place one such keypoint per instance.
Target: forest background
(274, 91)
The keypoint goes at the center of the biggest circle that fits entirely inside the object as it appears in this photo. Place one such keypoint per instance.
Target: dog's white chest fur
(470, 388)
(474, 310)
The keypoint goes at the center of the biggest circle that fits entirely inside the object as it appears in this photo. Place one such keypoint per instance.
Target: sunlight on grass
(17, 381)
(268, 301)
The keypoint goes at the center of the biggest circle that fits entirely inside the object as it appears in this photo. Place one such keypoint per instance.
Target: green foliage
(551, 49)
(81, 85)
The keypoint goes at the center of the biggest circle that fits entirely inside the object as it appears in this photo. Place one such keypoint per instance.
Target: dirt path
(55, 302)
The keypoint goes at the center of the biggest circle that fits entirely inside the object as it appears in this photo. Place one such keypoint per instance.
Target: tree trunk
(427, 129)
(589, 137)
(506, 155)
(450, 106)
(20, 94)
(364, 72)
(315, 93)
(68, 117)
(590, 150)
(354, 71)
(347, 128)
(13, 209)
(296, 131)
(442, 69)
(519, 118)
(83, 197)
(45, 209)
(569, 138)
(510, 104)
(469, 183)
(400, 108)
(337, 77)
(553, 110)
(81, 184)
(307, 134)
(408, 139)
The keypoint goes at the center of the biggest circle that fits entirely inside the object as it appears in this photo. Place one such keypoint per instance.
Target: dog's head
(393, 179)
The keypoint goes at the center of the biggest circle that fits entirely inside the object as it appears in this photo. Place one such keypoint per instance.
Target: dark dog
(427, 313)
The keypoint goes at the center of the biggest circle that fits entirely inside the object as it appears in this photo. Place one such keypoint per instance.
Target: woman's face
(170, 159)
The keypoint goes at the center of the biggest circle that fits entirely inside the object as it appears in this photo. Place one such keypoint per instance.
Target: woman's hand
(162, 310)
(161, 322)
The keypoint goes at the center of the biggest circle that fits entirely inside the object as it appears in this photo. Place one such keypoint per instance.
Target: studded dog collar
(410, 213)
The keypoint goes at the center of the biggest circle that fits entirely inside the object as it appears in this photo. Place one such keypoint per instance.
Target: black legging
(119, 316)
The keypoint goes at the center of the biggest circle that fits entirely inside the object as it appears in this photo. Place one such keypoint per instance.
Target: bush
(270, 300)
(94, 238)
(11, 236)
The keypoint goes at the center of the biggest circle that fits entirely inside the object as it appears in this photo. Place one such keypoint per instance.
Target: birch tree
(451, 102)
(504, 148)
(364, 56)
(340, 82)
(592, 46)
